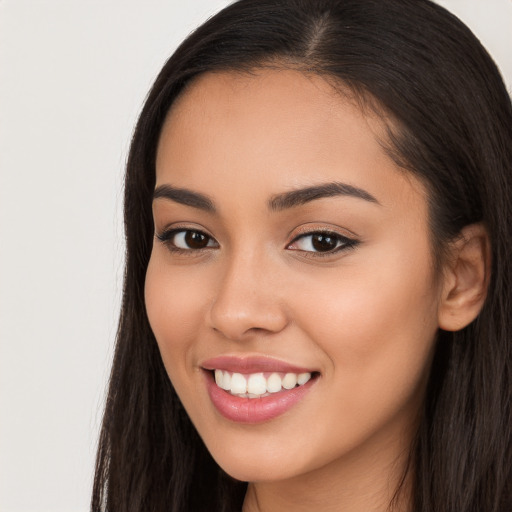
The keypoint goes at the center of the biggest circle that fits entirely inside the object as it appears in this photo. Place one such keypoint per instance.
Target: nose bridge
(246, 299)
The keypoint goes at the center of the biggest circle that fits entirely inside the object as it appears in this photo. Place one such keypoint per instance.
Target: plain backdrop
(73, 76)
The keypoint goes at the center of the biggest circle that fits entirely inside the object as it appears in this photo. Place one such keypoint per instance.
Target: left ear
(466, 277)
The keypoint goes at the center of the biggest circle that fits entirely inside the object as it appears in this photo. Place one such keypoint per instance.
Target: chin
(262, 470)
(263, 458)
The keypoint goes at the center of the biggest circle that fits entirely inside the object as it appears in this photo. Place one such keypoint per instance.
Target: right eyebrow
(185, 197)
(305, 195)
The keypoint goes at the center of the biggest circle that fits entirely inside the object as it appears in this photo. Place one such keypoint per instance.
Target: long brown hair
(422, 65)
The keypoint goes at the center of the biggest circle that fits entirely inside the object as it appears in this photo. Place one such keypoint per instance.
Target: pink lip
(252, 364)
(253, 410)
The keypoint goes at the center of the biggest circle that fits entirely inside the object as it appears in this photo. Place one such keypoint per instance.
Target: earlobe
(466, 278)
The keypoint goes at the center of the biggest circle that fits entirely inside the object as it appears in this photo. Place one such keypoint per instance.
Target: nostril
(245, 324)
(245, 307)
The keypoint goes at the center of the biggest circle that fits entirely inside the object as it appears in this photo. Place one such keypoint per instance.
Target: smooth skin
(242, 278)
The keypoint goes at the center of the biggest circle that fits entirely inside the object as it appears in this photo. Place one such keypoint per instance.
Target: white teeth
(223, 379)
(238, 384)
(256, 385)
(226, 381)
(290, 380)
(274, 383)
(303, 378)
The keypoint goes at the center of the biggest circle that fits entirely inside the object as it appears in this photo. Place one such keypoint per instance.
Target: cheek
(174, 303)
(378, 329)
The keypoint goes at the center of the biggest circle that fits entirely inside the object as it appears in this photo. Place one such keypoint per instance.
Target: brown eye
(196, 240)
(187, 240)
(322, 242)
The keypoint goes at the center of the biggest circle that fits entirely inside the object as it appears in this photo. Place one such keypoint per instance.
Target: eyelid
(176, 227)
(313, 227)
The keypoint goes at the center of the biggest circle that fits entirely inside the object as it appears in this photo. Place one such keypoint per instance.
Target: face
(292, 256)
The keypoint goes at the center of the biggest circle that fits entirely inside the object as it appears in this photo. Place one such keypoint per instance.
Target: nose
(247, 299)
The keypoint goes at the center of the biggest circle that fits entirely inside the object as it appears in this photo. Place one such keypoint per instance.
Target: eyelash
(343, 243)
(167, 239)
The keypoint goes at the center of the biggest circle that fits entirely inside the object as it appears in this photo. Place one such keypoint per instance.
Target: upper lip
(251, 364)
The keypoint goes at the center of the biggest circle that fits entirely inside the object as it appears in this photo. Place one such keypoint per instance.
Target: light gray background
(73, 75)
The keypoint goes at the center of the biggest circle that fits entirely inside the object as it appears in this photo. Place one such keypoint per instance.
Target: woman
(317, 294)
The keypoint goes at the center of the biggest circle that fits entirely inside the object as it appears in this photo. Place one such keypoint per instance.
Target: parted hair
(451, 127)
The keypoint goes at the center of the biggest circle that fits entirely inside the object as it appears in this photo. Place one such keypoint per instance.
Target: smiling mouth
(260, 384)
(257, 397)
(255, 389)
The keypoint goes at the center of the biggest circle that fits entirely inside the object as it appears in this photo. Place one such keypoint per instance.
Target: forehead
(275, 129)
(253, 97)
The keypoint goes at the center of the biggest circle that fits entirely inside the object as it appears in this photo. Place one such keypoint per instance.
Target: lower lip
(254, 410)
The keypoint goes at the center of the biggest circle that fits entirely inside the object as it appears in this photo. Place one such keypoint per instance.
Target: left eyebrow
(184, 196)
(305, 195)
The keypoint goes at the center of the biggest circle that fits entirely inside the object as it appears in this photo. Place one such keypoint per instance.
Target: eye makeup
(322, 243)
(317, 242)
